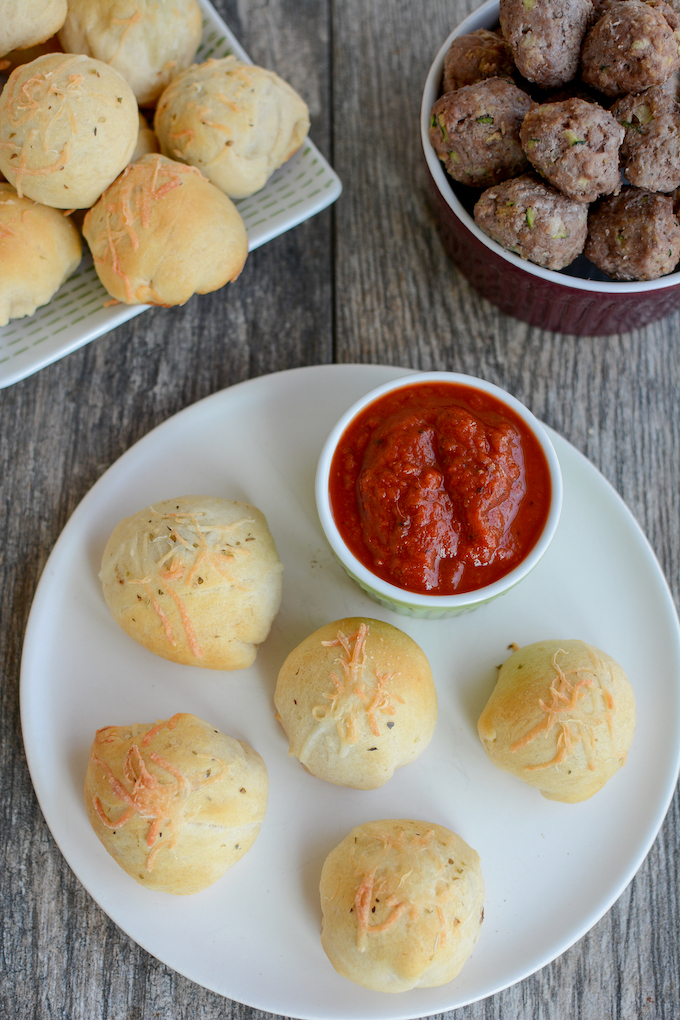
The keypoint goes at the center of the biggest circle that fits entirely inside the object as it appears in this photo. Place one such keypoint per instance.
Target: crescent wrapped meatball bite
(68, 126)
(561, 718)
(176, 803)
(162, 232)
(25, 23)
(147, 41)
(237, 122)
(196, 580)
(39, 249)
(403, 905)
(357, 701)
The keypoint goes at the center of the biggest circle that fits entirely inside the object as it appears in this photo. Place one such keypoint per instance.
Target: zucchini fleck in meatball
(475, 132)
(631, 48)
(634, 235)
(574, 145)
(650, 152)
(534, 220)
(545, 37)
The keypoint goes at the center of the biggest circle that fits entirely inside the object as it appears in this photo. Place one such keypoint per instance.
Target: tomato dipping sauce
(439, 488)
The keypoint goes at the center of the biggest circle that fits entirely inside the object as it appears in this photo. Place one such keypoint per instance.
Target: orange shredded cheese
(127, 208)
(362, 906)
(380, 886)
(184, 566)
(46, 98)
(352, 691)
(566, 711)
(162, 803)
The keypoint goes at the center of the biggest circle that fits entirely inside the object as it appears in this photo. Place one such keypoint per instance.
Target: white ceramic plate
(77, 313)
(551, 869)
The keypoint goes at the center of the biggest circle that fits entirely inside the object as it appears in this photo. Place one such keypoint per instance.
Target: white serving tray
(304, 186)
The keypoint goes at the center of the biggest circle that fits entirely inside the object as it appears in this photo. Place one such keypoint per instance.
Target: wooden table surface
(366, 281)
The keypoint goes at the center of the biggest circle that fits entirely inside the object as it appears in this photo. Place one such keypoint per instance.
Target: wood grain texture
(367, 281)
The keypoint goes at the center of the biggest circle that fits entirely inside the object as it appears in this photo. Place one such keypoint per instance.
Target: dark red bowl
(565, 302)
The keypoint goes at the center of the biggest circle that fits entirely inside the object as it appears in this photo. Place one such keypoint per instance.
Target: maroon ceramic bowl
(578, 299)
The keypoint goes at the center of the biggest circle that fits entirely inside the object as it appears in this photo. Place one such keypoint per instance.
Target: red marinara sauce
(439, 488)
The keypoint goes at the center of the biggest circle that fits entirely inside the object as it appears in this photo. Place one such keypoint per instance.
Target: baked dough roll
(235, 121)
(39, 249)
(357, 701)
(25, 23)
(162, 232)
(175, 803)
(68, 126)
(147, 41)
(403, 904)
(196, 580)
(561, 717)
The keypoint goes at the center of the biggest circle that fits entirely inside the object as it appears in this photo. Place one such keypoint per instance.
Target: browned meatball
(545, 37)
(534, 220)
(574, 145)
(475, 132)
(631, 48)
(474, 57)
(651, 148)
(634, 235)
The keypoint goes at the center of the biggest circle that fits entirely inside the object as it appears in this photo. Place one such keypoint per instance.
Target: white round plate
(551, 870)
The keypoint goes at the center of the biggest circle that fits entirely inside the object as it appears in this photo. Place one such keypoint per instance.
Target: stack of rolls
(80, 144)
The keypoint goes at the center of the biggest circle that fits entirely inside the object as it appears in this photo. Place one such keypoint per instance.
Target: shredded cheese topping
(396, 880)
(163, 803)
(46, 98)
(576, 720)
(353, 693)
(127, 207)
(186, 556)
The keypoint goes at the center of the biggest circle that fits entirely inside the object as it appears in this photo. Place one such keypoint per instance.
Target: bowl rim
(486, 16)
(402, 596)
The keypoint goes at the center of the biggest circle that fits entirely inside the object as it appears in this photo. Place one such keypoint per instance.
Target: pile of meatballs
(568, 119)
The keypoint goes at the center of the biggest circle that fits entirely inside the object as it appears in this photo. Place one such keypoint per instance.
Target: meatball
(651, 146)
(545, 37)
(634, 235)
(475, 132)
(631, 48)
(534, 220)
(474, 57)
(575, 146)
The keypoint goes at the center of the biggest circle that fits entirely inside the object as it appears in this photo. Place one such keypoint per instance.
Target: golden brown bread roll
(162, 232)
(235, 121)
(25, 23)
(357, 701)
(147, 41)
(195, 579)
(39, 249)
(68, 126)
(561, 717)
(403, 904)
(175, 803)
